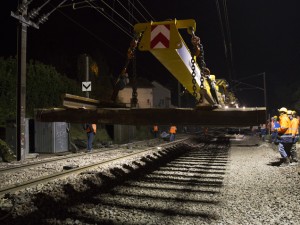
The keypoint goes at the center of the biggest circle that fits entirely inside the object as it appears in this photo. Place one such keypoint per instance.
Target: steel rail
(79, 154)
(17, 187)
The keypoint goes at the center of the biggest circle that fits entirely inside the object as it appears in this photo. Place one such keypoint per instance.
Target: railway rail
(99, 158)
(185, 186)
(11, 168)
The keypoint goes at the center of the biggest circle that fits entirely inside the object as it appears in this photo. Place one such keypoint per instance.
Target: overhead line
(117, 13)
(72, 4)
(146, 10)
(222, 28)
(90, 32)
(137, 10)
(94, 35)
(107, 17)
(130, 13)
(249, 85)
(228, 35)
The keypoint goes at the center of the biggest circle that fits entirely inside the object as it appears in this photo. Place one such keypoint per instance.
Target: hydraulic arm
(164, 41)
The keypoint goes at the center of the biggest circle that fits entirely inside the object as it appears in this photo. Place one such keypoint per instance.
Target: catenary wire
(90, 32)
(130, 13)
(146, 10)
(225, 43)
(117, 13)
(137, 10)
(228, 36)
(93, 34)
(107, 17)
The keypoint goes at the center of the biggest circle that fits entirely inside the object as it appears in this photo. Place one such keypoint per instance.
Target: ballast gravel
(217, 183)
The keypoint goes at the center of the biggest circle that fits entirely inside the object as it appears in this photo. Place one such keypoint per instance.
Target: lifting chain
(123, 77)
(131, 51)
(134, 99)
(193, 79)
(198, 53)
(132, 56)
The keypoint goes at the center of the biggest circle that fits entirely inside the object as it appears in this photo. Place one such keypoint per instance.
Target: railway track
(100, 158)
(183, 188)
(140, 144)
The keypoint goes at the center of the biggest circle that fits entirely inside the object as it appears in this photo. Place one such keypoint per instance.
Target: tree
(44, 87)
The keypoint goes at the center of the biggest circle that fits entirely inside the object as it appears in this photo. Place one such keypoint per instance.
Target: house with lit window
(150, 95)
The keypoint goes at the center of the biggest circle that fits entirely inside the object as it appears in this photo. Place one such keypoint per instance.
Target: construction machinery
(215, 104)
(164, 42)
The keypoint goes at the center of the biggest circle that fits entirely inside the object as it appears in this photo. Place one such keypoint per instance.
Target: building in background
(161, 96)
(150, 95)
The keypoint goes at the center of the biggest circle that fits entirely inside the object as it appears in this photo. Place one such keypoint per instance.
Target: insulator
(33, 13)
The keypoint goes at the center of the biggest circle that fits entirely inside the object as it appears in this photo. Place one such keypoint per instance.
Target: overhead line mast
(25, 20)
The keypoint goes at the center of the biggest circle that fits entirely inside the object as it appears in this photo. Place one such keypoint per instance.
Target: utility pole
(24, 19)
(265, 95)
(264, 89)
(87, 70)
(21, 81)
(178, 93)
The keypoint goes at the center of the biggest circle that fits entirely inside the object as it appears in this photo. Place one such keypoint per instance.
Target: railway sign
(87, 86)
(160, 36)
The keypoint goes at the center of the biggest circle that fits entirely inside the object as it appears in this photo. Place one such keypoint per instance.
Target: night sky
(265, 37)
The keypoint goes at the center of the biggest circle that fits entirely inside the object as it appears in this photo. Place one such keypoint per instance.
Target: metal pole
(178, 92)
(87, 76)
(265, 94)
(21, 88)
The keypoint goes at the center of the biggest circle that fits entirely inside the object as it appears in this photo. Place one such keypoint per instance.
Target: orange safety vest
(294, 127)
(88, 130)
(155, 128)
(285, 125)
(173, 130)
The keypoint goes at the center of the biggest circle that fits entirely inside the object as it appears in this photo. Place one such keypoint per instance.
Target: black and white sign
(87, 86)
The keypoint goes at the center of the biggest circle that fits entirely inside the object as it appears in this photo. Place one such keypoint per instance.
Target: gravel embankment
(211, 184)
(257, 191)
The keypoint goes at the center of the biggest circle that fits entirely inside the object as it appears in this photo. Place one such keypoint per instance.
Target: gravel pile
(211, 183)
(257, 191)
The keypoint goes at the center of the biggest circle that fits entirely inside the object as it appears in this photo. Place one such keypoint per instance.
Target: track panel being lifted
(178, 116)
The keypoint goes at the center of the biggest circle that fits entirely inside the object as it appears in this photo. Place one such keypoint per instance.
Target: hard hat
(289, 112)
(283, 109)
(294, 112)
(275, 117)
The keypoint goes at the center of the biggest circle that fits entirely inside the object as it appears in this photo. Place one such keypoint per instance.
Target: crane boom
(164, 42)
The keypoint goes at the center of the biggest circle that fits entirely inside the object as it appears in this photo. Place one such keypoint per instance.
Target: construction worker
(155, 130)
(274, 125)
(295, 135)
(284, 136)
(172, 132)
(90, 131)
(263, 131)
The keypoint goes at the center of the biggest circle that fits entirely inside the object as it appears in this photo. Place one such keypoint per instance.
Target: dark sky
(265, 37)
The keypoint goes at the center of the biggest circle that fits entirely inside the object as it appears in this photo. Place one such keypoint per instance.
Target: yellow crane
(164, 42)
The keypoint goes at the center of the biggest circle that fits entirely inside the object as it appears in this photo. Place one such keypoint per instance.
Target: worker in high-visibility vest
(155, 130)
(90, 131)
(295, 134)
(284, 136)
(172, 132)
(274, 126)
